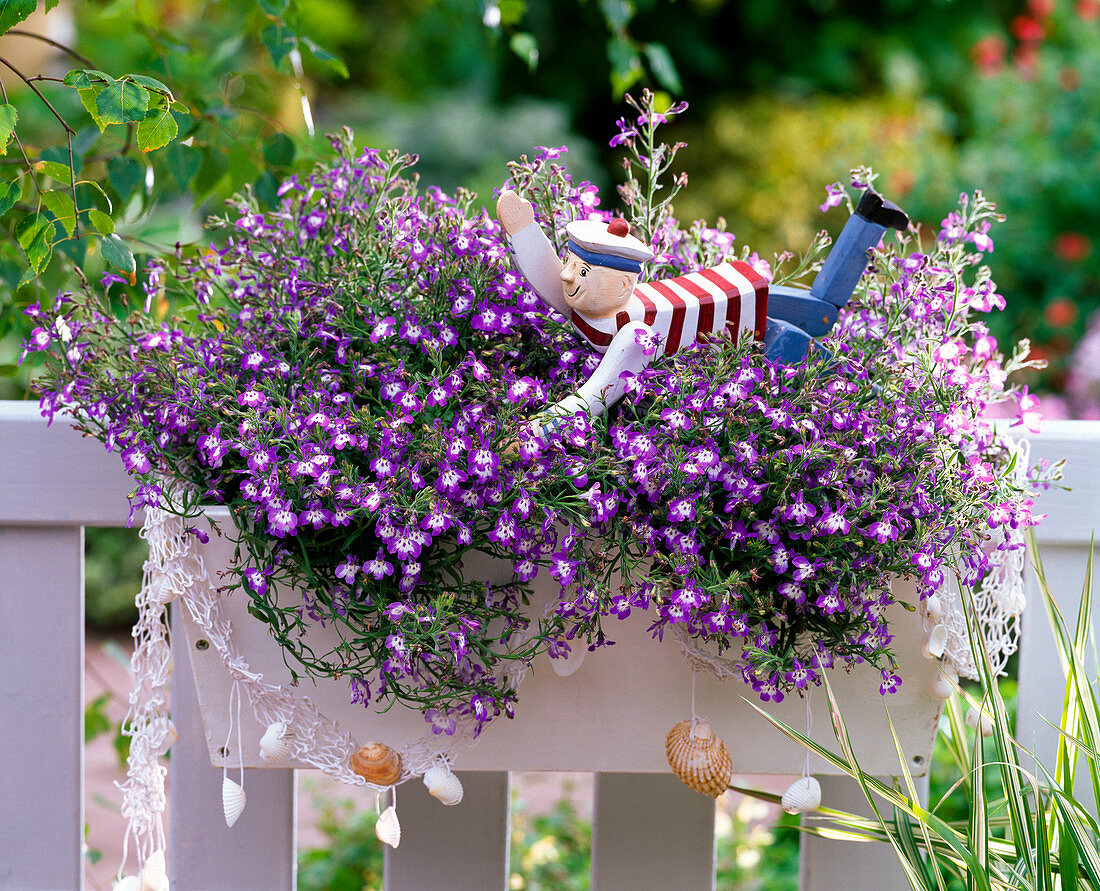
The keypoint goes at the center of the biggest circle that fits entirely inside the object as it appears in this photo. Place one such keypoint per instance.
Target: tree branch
(65, 49)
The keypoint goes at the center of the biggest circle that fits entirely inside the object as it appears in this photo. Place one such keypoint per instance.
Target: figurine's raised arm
(534, 255)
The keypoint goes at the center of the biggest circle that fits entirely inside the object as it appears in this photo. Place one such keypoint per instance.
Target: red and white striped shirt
(732, 296)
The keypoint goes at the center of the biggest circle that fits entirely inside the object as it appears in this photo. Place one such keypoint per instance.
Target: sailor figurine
(631, 323)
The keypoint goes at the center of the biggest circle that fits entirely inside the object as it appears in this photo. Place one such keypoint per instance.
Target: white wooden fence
(649, 831)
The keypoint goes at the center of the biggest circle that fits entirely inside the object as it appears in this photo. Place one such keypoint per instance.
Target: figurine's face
(595, 291)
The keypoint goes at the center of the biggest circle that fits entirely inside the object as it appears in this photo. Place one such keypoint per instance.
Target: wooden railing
(649, 831)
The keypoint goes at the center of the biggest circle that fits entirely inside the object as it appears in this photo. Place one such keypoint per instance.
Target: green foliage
(550, 850)
(113, 560)
(351, 859)
(1009, 820)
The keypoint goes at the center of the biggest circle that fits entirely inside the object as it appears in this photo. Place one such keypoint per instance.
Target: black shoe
(876, 209)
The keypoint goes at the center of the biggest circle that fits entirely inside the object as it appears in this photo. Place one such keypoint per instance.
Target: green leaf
(12, 12)
(40, 250)
(118, 254)
(279, 42)
(274, 7)
(102, 222)
(8, 370)
(323, 55)
(123, 102)
(61, 206)
(663, 68)
(9, 194)
(279, 150)
(125, 175)
(56, 170)
(87, 99)
(8, 116)
(84, 184)
(617, 13)
(511, 11)
(183, 162)
(151, 83)
(626, 64)
(526, 47)
(50, 4)
(87, 79)
(27, 229)
(95, 718)
(157, 130)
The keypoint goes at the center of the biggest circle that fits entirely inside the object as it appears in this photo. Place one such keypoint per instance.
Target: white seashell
(154, 873)
(937, 642)
(388, 829)
(164, 730)
(164, 592)
(566, 665)
(127, 883)
(975, 716)
(945, 681)
(275, 743)
(233, 800)
(444, 785)
(933, 607)
(804, 794)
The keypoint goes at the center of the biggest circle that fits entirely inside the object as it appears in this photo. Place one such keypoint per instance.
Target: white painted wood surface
(41, 707)
(611, 714)
(52, 482)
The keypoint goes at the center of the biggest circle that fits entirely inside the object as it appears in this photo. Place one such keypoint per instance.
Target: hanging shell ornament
(804, 794)
(233, 800)
(154, 873)
(980, 720)
(377, 763)
(945, 681)
(443, 784)
(388, 829)
(163, 729)
(937, 642)
(127, 883)
(699, 758)
(933, 607)
(275, 743)
(568, 664)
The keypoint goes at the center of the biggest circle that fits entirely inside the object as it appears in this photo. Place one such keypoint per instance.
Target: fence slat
(259, 852)
(41, 708)
(828, 864)
(460, 848)
(651, 831)
(54, 476)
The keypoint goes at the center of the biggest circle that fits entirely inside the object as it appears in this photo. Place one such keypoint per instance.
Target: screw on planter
(202, 644)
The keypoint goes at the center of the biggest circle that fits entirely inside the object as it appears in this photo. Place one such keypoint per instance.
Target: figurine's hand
(514, 212)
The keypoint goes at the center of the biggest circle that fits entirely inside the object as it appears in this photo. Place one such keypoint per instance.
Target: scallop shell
(127, 883)
(377, 763)
(980, 720)
(699, 758)
(233, 800)
(275, 743)
(937, 642)
(804, 794)
(154, 873)
(388, 829)
(944, 681)
(933, 607)
(444, 785)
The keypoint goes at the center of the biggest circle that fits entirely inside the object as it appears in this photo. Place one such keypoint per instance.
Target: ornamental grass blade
(1019, 809)
(1084, 841)
(953, 842)
(1044, 879)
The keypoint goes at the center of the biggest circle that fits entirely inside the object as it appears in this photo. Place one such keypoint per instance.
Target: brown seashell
(699, 758)
(377, 763)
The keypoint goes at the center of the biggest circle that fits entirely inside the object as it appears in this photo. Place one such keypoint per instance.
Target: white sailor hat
(607, 244)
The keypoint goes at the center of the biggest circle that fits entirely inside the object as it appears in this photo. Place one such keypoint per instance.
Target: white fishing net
(174, 569)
